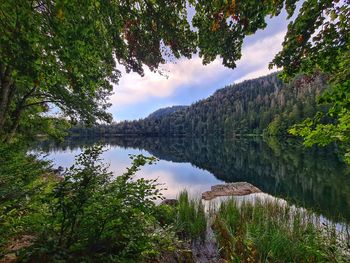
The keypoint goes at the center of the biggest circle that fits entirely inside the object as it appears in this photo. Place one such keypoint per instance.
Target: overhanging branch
(41, 102)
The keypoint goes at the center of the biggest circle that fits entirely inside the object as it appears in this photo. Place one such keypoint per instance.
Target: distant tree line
(262, 105)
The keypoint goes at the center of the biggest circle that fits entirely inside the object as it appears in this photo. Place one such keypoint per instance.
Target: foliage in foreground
(328, 51)
(23, 180)
(86, 215)
(267, 231)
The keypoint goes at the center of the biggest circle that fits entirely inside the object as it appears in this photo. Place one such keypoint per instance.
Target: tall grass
(191, 221)
(266, 231)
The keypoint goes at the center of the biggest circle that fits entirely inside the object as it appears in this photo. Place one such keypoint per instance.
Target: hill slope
(163, 112)
(265, 104)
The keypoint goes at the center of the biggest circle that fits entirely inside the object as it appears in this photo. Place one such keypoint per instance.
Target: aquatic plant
(269, 231)
(191, 221)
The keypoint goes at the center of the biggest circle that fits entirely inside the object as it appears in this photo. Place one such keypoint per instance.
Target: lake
(314, 178)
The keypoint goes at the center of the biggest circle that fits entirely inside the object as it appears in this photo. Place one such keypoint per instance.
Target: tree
(276, 127)
(66, 53)
(319, 40)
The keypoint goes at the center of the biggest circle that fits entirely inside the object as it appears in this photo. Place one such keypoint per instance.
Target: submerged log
(230, 189)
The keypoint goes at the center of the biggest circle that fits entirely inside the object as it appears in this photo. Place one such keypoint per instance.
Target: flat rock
(230, 189)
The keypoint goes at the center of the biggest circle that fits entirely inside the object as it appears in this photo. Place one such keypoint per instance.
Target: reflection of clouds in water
(316, 180)
(174, 176)
(119, 159)
(165, 178)
(179, 176)
(116, 157)
(61, 158)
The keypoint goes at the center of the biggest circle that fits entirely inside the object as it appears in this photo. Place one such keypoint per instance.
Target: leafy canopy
(69, 53)
(319, 41)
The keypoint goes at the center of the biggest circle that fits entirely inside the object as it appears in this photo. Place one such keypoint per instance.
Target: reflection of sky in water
(314, 180)
(174, 176)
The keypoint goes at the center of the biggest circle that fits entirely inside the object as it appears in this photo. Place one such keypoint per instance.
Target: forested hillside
(260, 105)
(163, 112)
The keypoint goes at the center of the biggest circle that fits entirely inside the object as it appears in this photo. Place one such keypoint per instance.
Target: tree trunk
(16, 116)
(6, 84)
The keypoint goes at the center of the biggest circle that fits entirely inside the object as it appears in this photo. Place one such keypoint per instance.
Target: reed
(268, 231)
(191, 221)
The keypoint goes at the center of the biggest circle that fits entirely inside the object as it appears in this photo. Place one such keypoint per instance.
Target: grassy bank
(268, 231)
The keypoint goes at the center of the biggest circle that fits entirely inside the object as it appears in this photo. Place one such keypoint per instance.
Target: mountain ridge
(256, 106)
(162, 112)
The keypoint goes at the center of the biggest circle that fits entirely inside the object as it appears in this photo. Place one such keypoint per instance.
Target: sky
(188, 81)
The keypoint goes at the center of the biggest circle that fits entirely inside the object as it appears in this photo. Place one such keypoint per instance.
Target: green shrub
(90, 215)
(165, 214)
(24, 180)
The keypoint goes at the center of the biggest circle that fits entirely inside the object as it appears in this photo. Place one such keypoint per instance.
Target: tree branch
(2, 70)
(41, 102)
(39, 95)
(38, 6)
(27, 95)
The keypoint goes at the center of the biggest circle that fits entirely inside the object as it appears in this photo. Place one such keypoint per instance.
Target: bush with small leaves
(93, 215)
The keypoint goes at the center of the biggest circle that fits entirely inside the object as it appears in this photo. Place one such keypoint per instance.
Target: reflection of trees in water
(313, 178)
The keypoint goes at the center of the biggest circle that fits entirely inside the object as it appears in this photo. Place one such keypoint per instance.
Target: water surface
(312, 178)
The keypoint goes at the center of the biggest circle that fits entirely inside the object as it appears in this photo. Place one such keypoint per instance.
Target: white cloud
(133, 88)
(260, 54)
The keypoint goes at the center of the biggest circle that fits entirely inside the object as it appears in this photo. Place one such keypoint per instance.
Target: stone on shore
(230, 189)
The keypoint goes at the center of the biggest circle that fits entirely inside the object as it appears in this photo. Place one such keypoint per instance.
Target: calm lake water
(312, 178)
